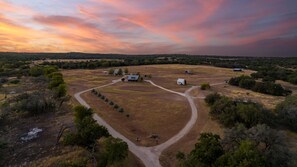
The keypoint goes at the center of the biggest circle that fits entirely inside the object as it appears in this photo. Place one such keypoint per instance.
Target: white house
(181, 81)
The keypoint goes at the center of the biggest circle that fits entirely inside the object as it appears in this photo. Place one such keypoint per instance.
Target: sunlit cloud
(220, 27)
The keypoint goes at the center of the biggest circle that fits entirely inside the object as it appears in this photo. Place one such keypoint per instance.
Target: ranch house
(133, 78)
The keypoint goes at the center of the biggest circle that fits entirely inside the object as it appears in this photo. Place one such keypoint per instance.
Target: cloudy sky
(215, 27)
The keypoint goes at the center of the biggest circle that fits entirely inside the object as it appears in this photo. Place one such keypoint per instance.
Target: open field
(151, 111)
(78, 80)
(166, 75)
(234, 92)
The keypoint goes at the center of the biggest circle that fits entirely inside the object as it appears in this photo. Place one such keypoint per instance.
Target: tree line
(266, 87)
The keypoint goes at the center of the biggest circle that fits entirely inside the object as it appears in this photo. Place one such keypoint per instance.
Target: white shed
(181, 81)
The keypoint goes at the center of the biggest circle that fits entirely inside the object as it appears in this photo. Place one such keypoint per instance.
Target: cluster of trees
(276, 73)
(249, 141)
(266, 87)
(108, 101)
(41, 101)
(229, 112)
(14, 68)
(112, 151)
(55, 81)
(256, 146)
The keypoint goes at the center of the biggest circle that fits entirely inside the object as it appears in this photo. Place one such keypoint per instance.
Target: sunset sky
(214, 27)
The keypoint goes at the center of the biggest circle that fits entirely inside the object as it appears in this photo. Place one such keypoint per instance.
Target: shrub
(70, 139)
(106, 100)
(102, 97)
(34, 103)
(116, 106)
(111, 103)
(205, 86)
(99, 94)
(16, 81)
(212, 98)
(121, 110)
(287, 112)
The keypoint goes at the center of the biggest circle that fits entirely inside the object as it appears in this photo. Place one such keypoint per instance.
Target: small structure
(133, 78)
(188, 72)
(181, 81)
(237, 69)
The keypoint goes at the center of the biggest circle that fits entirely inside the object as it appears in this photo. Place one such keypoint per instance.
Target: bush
(106, 100)
(102, 97)
(70, 139)
(99, 94)
(34, 103)
(116, 106)
(111, 103)
(212, 98)
(121, 110)
(287, 112)
(205, 86)
(16, 81)
(247, 83)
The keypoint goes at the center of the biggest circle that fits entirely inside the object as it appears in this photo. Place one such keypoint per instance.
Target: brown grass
(151, 110)
(166, 75)
(187, 143)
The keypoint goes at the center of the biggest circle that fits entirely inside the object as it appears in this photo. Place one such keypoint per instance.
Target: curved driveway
(148, 155)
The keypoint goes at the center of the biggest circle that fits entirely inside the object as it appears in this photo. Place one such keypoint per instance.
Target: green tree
(116, 150)
(80, 112)
(60, 91)
(246, 155)
(207, 150)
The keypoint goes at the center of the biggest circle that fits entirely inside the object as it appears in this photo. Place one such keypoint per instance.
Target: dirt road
(148, 155)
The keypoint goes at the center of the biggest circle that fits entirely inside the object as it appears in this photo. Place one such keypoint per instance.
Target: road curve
(148, 155)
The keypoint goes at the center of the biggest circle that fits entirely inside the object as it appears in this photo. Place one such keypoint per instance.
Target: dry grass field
(187, 143)
(166, 75)
(151, 111)
(78, 80)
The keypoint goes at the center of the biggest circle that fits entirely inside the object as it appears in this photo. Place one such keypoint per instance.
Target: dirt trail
(148, 155)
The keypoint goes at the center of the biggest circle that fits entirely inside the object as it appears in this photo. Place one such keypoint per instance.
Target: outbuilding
(181, 81)
(133, 78)
(237, 69)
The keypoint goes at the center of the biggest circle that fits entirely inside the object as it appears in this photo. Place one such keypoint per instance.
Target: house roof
(133, 77)
(181, 80)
